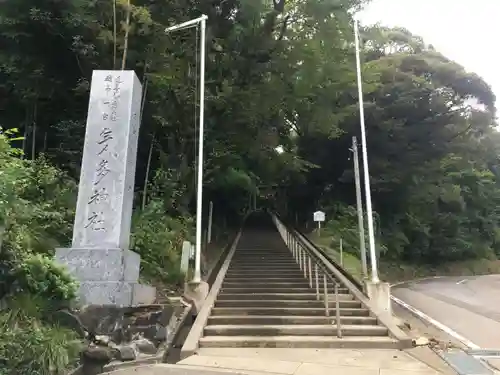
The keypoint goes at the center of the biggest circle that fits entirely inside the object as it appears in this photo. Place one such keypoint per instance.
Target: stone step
(263, 260)
(258, 265)
(293, 267)
(248, 253)
(253, 283)
(285, 303)
(319, 342)
(291, 282)
(266, 270)
(275, 320)
(262, 250)
(277, 255)
(274, 259)
(260, 262)
(269, 279)
(279, 311)
(286, 279)
(277, 296)
(294, 330)
(263, 273)
(264, 265)
(241, 289)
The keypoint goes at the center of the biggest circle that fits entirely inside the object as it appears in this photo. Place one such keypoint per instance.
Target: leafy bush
(343, 224)
(37, 203)
(158, 239)
(29, 346)
(40, 276)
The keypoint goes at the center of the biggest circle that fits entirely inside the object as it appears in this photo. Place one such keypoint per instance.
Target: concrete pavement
(470, 306)
(277, 361)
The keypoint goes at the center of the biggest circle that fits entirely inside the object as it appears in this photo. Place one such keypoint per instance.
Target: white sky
(463, 30)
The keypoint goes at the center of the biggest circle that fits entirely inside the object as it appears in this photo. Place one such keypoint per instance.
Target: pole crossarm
(187, 24)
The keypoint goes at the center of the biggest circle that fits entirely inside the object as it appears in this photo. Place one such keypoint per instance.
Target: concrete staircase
(265, 301)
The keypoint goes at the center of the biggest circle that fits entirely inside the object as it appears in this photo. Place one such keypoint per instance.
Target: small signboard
(319, 216)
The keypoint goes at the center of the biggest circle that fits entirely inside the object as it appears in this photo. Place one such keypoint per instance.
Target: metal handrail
(351, 278)
(305, 259)
(304, 248)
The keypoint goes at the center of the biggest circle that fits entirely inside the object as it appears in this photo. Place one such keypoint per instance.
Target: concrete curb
(192, 341)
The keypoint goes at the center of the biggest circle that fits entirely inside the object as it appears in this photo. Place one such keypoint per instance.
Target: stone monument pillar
(99, 257)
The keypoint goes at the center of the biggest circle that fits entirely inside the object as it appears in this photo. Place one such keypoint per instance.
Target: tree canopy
(281, 109)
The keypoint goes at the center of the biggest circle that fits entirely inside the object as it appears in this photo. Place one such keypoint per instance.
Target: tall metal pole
(369, 211)
(199, 188)
(359, 204)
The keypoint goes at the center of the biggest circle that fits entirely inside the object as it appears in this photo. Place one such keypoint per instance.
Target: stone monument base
(107, 276)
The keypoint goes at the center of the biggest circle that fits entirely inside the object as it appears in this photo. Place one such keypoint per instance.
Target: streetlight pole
(199, 188)
(369, 210)
(359, 204)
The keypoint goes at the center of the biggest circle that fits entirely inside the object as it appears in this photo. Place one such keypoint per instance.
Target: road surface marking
(485, 353)
(416, 280)
(461, 281)
(437, 324)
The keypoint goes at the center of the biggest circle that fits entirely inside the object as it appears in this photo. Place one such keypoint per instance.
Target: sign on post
(319, 217)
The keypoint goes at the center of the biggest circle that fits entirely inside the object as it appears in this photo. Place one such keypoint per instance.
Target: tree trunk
(145, 80)
(33, 142)
(114, 34)
(44, 142)
(146, 178)
(25, 135)
(27, 122)
(2, 232)
(127, 29)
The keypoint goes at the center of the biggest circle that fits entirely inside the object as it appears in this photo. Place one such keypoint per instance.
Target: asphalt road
(470, 306)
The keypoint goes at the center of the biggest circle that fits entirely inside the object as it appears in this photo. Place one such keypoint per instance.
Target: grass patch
(348, 261)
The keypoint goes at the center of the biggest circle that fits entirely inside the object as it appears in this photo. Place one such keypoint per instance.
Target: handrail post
(306, 256)
(317, 281)
(310, 272)
(337, 311)
(325, 296)
(304, 260)
(300, 257)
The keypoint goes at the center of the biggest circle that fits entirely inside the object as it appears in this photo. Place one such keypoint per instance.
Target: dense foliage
(31, 343)
(433, 152)
(281, 109)
(272, 80)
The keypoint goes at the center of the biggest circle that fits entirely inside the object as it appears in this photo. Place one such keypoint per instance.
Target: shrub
(158, 239)
(30, 347)
(40, 276)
